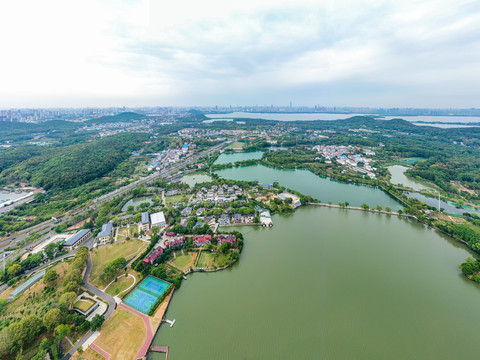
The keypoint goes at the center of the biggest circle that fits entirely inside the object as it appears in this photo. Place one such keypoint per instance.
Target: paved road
(111, 307)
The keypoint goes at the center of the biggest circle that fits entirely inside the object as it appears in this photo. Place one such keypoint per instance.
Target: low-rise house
(172, 192)
(145, 221)
(77, 239)
(105, 235)
(179, 240)
(237, 218)
(202, 240)
(198, 223)
(226, 238)
(210, 220)
(153, 256)
(186, 212)
(224, 219)
(200, 211)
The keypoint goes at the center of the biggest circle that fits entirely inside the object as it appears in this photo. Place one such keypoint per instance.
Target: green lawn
(83, 305)
(117, 287)
(220, 260)
(206, 261)
(128, 230)
(104, 255)
(176, 198)
(236, 145)
(184, 262)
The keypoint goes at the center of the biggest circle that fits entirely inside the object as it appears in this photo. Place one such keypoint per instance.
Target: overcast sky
(397, 53)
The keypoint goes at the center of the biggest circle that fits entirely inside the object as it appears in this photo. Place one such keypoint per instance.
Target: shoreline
(403, 215)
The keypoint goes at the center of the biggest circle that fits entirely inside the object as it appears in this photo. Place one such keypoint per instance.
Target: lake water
(337, 116)
(399, 178)
(283, 117)
(136, 201)
(231, 157)
(196, 178)
(449, 207)
(308, 183)
(328, 283)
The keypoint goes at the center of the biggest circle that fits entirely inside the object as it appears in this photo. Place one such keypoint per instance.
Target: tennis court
(146, 294)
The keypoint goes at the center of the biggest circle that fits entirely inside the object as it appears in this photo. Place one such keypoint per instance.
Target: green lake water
(137, 201)
(231, 157)
(399, 178)
(329, 283)
(308, 183)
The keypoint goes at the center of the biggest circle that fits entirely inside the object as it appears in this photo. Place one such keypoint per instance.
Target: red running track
(99, 350)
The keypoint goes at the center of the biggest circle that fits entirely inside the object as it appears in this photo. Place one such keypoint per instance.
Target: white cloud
(102, 53)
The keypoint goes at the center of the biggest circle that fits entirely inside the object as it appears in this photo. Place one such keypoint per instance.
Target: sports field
(146, 294)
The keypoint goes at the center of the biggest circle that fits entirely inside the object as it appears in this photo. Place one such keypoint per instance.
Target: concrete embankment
(362, 209)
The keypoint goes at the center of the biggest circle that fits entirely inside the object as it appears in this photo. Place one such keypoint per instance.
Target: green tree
(68, 299)
(224, 247)
(388, 209)
(379, 208)
(365, 206)
(50, 276)
(53, 318)
(26, 330)
(60, 332)
(137, 217)
(97, 322)
(14, 270)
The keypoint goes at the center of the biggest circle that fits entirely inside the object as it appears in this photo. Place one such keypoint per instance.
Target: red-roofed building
(153, 256)
(176, 241)
(226, 238)
(201, 240)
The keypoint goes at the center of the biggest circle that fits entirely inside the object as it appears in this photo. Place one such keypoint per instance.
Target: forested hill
(122, 117)
(77, 164)
(17, 131)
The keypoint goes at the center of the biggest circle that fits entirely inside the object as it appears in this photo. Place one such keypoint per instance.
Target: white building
(158, 219)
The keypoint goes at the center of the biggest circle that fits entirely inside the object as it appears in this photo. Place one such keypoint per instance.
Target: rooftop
(106, 230)
(74, 238)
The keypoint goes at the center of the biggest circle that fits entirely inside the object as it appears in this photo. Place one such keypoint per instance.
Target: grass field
(128, 230)
(122, 334)
(83, 305)
(176, 198)
(236, 145)
(104, 255)
(184, 262)
(122, 283)
(206, 261)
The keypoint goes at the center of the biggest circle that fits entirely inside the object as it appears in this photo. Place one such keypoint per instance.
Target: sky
(63, 53)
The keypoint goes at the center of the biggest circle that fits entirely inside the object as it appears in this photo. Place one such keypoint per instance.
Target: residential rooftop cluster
(352, 157)
(169, 156)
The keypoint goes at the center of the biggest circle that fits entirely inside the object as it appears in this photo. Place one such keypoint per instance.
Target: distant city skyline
(363, 53)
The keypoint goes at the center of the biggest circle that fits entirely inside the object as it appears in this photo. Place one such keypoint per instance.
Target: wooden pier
(160, 348)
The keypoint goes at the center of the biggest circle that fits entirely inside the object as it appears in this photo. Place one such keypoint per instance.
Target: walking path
(129, 275)
(149, 337)
(99, 350)
(107, 298)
